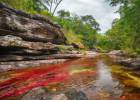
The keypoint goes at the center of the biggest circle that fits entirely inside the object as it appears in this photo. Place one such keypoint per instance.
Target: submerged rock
(42, 94)
(37, 94)
(76, 95)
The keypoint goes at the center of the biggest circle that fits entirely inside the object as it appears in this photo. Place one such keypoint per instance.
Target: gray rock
(37, 94)
(27, 37)
(29, 27)
(76, 95)
(129, 63)
(116, 52)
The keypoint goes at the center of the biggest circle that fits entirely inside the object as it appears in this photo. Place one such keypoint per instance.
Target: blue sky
(100, 9)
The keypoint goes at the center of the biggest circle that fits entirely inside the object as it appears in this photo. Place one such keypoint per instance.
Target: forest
(85, 30)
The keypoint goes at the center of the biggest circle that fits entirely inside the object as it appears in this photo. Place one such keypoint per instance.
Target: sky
(100, 9)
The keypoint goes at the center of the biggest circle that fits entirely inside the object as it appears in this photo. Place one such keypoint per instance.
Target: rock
(76, 95)
(128, 62)
(59, 97)
(75, 45)
(78, 45)
(90, 54)
(37, 94)
(42, 94)
(116, 52)
(74, 52)
(5, 58)
(14, 41)
(122, 58)
(13, 45)
(134, 63)
(27, 37)
(8, 66)
(29, 27)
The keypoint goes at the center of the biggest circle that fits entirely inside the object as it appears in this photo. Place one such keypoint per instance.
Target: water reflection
(82, 79)
(104, 79)
(105, 87)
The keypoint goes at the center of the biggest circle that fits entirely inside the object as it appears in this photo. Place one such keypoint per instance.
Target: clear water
(82, 79)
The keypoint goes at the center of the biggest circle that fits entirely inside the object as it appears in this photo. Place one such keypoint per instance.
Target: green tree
(89, 19)
(34, 5)
(25, 5)
(63, 14)
(84, 28)
(52, 5)
(129, 22)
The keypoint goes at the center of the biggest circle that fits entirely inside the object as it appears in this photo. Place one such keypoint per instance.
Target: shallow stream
(80, 79)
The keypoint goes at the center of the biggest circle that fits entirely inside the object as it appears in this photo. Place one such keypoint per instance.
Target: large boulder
(29, 27)
(27, 37)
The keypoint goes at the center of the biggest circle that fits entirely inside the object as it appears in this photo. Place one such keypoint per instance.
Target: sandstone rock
(27, 37)
(134, 63)
(78, 45)
(8, 66)
(29, 27)
(5, 58)
(14, 41)
(116, 52)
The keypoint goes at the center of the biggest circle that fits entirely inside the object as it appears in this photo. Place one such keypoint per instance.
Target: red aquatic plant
(24, 81)
(21, 81)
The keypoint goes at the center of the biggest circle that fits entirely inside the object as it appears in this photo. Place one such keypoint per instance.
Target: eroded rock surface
(27, 37)
(132, 63)
(120, 57)
(29, 27)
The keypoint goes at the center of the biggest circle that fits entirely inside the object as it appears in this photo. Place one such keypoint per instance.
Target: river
(95, 78)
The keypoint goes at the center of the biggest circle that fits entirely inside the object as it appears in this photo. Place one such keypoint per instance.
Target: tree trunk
(56, 7)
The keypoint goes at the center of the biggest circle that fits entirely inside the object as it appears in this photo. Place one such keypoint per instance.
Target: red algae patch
(22, 81)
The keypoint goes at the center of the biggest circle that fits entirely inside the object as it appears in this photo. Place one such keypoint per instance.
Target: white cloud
(100, 9)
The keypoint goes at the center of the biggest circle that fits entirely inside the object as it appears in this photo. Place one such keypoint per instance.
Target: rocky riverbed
(132, 63)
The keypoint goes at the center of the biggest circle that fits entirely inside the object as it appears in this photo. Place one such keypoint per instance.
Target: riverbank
(130, 63)
(52, 59)
(28, 40)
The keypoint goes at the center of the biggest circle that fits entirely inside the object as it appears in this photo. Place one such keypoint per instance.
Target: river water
(95, 78)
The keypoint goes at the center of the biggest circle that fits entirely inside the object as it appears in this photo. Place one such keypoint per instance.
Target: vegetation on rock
(84, 30)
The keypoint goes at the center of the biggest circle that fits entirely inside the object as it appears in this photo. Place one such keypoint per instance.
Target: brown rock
(14, 41)
(29, 27)
(27, 37)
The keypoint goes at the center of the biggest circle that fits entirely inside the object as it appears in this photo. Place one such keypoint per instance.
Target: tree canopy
(125, 32)
(85, 26)
(34, 5)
